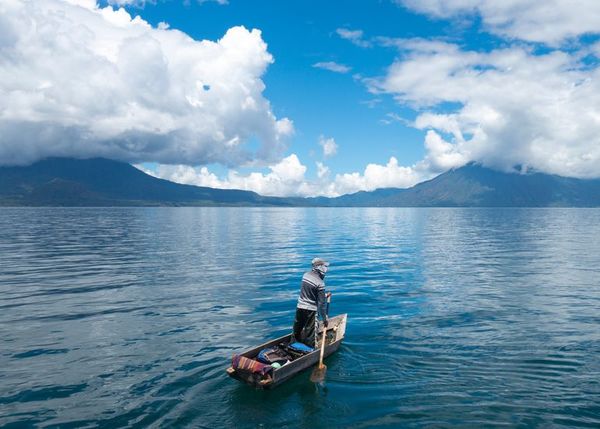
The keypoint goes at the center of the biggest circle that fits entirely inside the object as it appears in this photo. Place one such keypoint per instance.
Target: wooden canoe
(335, 334)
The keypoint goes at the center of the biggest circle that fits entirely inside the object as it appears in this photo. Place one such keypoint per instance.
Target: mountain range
(103, 182)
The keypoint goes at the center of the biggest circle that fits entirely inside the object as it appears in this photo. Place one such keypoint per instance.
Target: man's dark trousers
(305, 326)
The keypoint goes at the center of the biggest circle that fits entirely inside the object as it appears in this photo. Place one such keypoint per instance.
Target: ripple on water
(457, 317)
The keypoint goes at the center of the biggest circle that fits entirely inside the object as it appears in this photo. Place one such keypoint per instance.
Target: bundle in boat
(281, 358)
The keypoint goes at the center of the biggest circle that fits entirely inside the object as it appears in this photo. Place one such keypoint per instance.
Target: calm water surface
(457, 317)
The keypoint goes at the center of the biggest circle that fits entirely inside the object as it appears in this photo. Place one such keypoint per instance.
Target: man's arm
(322, 303)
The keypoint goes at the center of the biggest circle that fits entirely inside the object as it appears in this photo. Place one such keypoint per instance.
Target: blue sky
(320, 102)
(303, 98)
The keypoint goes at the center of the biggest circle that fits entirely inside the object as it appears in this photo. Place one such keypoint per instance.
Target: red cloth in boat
(241, 362)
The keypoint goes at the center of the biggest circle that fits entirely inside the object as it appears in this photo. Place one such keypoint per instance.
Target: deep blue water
(457, 317)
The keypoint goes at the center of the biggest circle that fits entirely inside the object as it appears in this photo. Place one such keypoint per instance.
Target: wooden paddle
(318, 374)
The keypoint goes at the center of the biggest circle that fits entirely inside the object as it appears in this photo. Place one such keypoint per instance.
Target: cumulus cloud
(332, 66)
(549, 21)
(80, 80)
(329, 146)
(288, 178)
(285, 178)
(375, 176)
(503, 108)
(354, 36)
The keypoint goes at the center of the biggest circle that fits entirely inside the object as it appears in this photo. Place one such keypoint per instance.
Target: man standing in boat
(312, 299)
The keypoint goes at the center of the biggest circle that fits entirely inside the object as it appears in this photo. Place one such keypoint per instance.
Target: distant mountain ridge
(475, 186)
(103, 182)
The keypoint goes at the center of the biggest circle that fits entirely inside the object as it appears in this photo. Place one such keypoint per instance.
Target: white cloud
(442, 155)
(372, 103)
(79, 80)
(142, 3)
(288, 178)
(139, 3)
(377, 176)
(392, 117)
(548, 21)
(221, 2)
(322, 170)
(503, 108)
(329, 146)
(332, 66)
(354, 36)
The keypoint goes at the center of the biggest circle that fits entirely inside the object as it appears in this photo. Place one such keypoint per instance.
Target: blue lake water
(457, 317)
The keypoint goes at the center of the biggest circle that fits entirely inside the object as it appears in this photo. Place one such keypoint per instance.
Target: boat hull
(277, 376)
